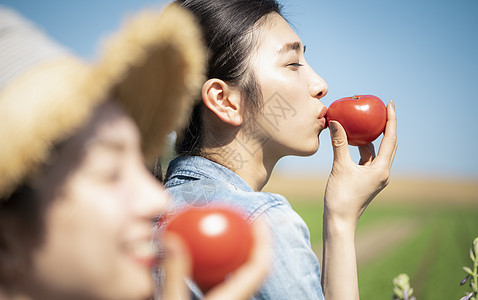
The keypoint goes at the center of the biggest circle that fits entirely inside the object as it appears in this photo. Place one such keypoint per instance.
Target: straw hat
(153, 67)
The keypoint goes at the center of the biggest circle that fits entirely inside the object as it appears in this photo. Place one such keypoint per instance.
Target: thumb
(177, 266)
(339, 142)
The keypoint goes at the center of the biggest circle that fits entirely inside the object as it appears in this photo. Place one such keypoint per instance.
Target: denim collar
(197, 167)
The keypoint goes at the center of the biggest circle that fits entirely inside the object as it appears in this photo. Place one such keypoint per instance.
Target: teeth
(143, 249)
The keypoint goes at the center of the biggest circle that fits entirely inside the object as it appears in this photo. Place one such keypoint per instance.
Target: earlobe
(223, 100)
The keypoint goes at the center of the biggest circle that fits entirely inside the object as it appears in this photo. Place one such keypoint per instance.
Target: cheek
(301, 132)
(287, 87)
(81, 249)
(104, 206)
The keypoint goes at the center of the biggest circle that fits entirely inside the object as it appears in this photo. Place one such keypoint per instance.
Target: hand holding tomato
(351, 186)
(240, 285)
(219, 240)
(362, 116)
(350, 189)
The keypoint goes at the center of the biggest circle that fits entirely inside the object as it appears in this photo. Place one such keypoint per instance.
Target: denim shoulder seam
(265, 206)
(190, 173)
(197, 176)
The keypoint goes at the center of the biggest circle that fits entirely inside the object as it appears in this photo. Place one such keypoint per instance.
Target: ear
(223, 100)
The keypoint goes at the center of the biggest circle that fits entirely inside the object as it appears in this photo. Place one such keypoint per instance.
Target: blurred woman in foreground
(77, 201)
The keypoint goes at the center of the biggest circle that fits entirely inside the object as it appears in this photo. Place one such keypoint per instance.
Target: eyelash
(295, 65)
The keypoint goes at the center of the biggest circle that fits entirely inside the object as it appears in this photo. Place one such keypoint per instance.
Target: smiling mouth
(143, 252)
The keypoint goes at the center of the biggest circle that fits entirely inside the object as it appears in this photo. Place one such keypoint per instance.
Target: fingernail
(393, 103)
(333, 126)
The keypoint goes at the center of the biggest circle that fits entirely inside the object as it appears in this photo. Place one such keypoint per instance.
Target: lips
(143, 252)
(322, 118)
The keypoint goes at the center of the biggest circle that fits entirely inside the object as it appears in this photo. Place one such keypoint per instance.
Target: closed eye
(294, 66)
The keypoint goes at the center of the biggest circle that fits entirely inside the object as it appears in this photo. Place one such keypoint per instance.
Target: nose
(152, 198)
(318, 88)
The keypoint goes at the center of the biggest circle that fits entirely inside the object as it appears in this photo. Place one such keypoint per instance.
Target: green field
(432, 254)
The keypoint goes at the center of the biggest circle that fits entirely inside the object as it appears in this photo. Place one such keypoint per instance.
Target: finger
(388, 146)
(367, 154)
(177, 266)
(248, 278)
(339, 142)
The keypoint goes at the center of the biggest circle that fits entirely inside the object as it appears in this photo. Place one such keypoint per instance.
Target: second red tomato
(219, 240)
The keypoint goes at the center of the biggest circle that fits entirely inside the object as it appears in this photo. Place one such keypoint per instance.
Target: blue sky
(421, 54)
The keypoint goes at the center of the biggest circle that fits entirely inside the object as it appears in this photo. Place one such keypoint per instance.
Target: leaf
(473, 285)
(475, 245)
(468, 270)
(398, 292)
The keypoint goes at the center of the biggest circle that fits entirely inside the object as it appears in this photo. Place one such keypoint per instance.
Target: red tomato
(219, 240)
(363, 117)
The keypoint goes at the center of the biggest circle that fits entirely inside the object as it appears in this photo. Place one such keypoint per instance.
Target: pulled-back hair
(227, 27)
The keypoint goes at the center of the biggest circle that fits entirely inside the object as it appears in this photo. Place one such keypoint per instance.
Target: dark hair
(227, 27)
(21, 220)
(23, 213)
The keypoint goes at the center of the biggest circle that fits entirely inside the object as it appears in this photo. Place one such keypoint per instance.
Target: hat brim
(153, 66)
(157, 67)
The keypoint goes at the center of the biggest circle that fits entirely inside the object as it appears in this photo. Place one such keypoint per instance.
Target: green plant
(472, 273)
(402, 289)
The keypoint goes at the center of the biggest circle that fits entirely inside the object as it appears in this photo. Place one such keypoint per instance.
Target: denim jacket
(295, 271)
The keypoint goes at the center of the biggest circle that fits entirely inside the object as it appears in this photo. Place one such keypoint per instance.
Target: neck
(245, 159)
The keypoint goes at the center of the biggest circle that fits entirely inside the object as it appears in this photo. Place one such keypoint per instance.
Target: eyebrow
(118, 146)
(295, 46)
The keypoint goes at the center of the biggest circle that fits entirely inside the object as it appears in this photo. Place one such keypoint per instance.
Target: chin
(139, 286)
(306, 153)
(306, 150)
(143, 289)
(134, 293)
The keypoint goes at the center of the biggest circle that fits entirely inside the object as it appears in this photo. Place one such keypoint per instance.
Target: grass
(432, 255)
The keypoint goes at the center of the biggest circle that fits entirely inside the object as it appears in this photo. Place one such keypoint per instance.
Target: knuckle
(339, 142)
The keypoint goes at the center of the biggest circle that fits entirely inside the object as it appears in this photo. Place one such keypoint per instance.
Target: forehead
(275, 34)
(109, 127)
(109, 130)
(108, 124)
(111, 124)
